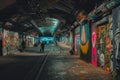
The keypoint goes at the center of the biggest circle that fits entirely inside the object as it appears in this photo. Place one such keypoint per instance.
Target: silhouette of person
(23, 45)
(42, 46)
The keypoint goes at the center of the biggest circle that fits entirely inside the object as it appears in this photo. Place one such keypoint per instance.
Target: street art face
(84, 39)
(94, 55)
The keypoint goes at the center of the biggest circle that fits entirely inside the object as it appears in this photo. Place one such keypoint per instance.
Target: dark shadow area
(20, 67)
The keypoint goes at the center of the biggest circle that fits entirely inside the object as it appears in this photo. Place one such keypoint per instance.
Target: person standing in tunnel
(23, 45)
(42, 46)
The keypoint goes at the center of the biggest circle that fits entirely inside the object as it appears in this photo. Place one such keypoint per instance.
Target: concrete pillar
(1, 37)
(1, 51)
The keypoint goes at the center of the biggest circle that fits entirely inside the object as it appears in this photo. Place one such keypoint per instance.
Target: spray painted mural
(104, 44)
(10, 42)
(116, 40)
(109, 42)
(94, 54)
(77, 41)
(84, 41)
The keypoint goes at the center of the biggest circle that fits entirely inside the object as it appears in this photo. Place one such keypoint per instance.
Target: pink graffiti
(94, 54)
(93, 38)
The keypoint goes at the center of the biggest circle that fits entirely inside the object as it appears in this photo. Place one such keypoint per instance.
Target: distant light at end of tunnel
(51, 28)
(55, 22)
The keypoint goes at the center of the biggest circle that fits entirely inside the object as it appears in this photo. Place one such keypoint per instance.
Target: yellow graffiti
(84, 48)
(7, 38)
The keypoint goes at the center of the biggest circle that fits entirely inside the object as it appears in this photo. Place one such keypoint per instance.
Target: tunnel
(59, 39)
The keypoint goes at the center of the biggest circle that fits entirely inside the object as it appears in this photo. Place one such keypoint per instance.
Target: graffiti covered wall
(104, 44)
(71, 39)
(77, 44)
(94, 53)
(116, 36)
(85, 41)
(77, 41)
(10, 42)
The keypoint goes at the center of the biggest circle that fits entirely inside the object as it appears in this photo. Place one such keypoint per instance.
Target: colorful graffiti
(85, 49)
(109, 36)
(77, 43)
(104, 45)
(10, 41)
(71, 39)
(84, 39)
(116, 43)
(117, 35)
(116, 29)
(101, 33)
(94, 54)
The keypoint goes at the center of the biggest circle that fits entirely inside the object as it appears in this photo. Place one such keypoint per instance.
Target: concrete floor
(19, 67)
(71, 68)
(59, 65)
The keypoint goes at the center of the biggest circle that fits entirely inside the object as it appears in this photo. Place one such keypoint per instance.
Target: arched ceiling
(21, 12)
